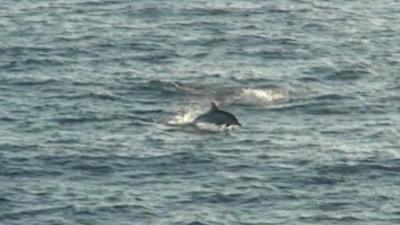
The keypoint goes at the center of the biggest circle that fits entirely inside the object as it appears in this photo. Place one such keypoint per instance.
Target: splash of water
(184, 117)
(261, 96)
(209, 127)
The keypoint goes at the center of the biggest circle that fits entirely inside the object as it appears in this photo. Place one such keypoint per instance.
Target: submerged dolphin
(217, 117)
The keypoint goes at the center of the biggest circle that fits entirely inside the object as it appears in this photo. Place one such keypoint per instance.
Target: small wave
(206, 11)
(23, 50)
(118, 208)
(102, 95)
(94, 169)
(36, 211)
(348, 74)
(170, 87)
(387, 167)
(334, 97)
(215, 197)
(78, 120)
(261, 96)
(30, 81)
(41, 62)
(76, 39)
(319, 218)
(30, 173)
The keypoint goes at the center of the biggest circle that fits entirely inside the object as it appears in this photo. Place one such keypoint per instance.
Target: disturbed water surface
(96, 96)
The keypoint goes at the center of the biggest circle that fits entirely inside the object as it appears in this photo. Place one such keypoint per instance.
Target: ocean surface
(97, 97)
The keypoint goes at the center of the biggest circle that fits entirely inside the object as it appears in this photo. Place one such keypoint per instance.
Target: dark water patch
(326, 218)
(74, 39)
(251, 40)
(8, 119)
(150, 46)
(308, 79)
(205, 11)
(368, 168)
(125, 208)
(239, 167)
(98, 3)
(106, 162)
(35, 211)
(348, 75)
(214, 197)
(24, 50)
(105, 96)
(290, 42)
(323, 110)
(279, 11)
(93, 169)
(78, 120)
(273, 53)
(61, 160)
(323, 107)
(200, 55)
(199, 24)
(321, 180)
(19, 159)
(194, 223)
(336, 205)
(209, 42)
(30, 81)
(319, 71)
(4, 200)
(152, 11)
(141, 121)
(141, 112)
(15, 147)
(351, 71)
(331, 97)
(29, 173)
(64, 141)
(160, 58)
(87, 83)
(315, 27)
(291, 45)
(38, 62)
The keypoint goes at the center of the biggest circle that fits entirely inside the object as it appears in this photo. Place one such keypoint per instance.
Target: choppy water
(95, 96)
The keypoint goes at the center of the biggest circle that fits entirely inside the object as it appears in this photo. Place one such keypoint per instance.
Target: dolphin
(217, 117)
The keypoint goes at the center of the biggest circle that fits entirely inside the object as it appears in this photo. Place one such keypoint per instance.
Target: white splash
(261, 96)
(184, 117)
(210, 127)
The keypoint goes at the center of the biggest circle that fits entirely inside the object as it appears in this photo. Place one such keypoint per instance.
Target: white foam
(210, 127)
(261, 96)
(184, 117)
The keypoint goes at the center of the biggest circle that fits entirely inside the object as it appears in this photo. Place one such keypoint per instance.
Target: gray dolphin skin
(218, 117)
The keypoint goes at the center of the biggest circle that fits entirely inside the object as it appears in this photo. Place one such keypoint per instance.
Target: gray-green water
(95, 95)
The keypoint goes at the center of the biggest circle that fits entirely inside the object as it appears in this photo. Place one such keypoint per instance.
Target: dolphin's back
(217, 117)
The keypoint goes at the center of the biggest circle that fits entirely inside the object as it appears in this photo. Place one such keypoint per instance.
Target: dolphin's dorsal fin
(213, 106)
